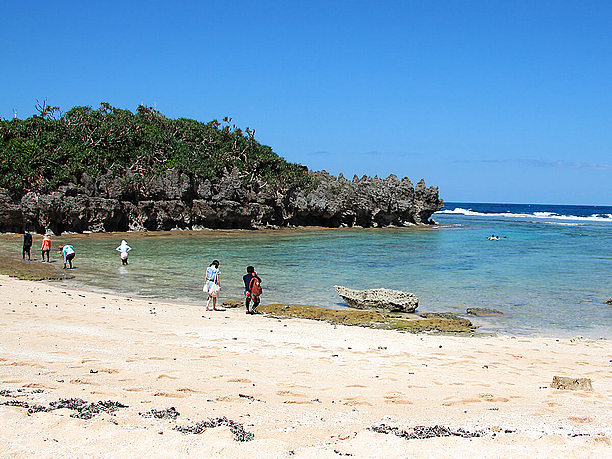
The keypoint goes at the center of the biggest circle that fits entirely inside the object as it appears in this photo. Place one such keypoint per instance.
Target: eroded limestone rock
(564, 383)
(379, 298)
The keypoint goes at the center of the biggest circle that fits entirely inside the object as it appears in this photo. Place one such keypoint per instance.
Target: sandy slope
(312, 389)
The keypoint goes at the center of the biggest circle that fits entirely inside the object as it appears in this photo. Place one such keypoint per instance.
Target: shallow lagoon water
(550, 276)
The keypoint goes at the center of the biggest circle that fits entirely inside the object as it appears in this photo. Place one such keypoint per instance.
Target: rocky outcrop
(177, 200)
(379, 298)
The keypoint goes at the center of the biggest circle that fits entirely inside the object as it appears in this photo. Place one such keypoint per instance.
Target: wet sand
(301, 388)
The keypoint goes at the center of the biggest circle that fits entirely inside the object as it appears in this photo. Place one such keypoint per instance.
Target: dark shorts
(69, 257)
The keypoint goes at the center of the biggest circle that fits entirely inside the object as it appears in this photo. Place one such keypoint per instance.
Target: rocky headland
(180, 200)
(109, 169)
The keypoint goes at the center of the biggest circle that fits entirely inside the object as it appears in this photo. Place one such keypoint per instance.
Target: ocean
(550, 272)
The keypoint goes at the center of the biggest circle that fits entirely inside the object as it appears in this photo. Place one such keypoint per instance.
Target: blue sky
(507, 101)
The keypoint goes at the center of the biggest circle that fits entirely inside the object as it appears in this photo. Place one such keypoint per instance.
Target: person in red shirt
(46, 247)
(252, 289)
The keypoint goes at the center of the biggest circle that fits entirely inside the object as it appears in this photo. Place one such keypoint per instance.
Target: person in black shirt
(252, 289)
(27, 245)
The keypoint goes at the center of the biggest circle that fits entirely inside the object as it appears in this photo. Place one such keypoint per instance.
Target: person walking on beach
(45, 248)
(212, 285)
(252, 290)
(27, 245)
(68, 252)
(123, 250)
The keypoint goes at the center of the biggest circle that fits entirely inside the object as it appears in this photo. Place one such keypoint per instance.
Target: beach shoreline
(302, 388)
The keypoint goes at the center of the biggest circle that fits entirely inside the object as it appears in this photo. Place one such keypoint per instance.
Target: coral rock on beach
(565, 383)
(378, 298)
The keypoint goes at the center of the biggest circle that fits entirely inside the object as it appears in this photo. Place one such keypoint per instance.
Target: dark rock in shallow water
(379, 299)
(184, 201)
(484, 312)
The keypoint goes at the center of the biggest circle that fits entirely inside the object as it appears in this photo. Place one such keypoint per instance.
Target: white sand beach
(303, 388)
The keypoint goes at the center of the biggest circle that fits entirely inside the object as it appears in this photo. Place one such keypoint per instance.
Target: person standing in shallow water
(212, 285)
(252, 290)
(45, 248)
(123, 250)
(27, 245)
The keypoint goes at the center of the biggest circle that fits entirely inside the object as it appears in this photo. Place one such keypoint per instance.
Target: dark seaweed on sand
(236, 428)
(168, 413)
(15, 403)
(422, 432)
(84, 410)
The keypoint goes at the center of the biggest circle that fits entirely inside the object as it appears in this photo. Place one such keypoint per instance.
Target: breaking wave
(606, 218)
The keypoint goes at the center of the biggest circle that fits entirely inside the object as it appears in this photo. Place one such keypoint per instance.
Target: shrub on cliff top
(45, 151)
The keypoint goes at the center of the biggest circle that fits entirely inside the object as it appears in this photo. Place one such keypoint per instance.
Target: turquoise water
(550, 275)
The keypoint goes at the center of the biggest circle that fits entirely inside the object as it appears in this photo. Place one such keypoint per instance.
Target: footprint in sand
(105, 393)
(25, 364)
(397, 398)
(356, 401)
(239, 380)
(110, 371)
(293, 386)
(163, 376)
(166, 394)
(38, 386)
(492, 398)
(585, 420)
(81, 381)
(291, 394)
(302, 372)
(463, 401)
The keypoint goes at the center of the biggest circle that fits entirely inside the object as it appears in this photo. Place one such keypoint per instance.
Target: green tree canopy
(45, 151)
